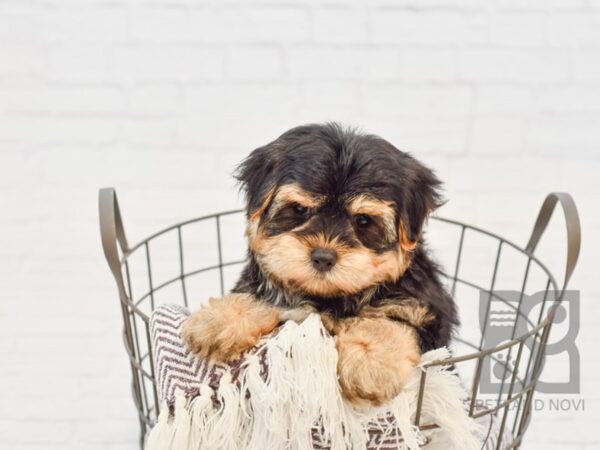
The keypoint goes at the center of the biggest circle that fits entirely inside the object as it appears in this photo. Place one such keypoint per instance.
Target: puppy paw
(227, 327)
(376, 359)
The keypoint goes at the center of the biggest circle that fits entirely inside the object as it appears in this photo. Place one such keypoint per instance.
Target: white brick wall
(161, 98)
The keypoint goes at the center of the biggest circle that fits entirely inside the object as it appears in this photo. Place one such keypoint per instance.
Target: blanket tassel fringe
(289, 409)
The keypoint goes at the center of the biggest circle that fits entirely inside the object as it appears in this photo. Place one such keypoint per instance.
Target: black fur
(340, 163)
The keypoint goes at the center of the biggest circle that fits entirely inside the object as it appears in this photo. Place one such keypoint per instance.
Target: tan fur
(364, 204)
(278, 198)
(298, 314)
(376, 358)
(293, 193)
(405, 243)
(330, 323)
(407, 310)
(287, 258)
(227, 327)
(255, 216)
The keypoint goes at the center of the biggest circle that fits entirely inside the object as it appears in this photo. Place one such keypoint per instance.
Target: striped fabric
(177, 370)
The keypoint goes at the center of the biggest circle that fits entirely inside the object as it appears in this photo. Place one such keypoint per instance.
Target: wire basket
(190, 261)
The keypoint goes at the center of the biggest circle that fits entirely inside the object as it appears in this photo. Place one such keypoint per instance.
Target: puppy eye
(363, 221)
(299, 209)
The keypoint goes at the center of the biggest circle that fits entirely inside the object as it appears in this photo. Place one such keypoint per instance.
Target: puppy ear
(257, 177)
(421, 198)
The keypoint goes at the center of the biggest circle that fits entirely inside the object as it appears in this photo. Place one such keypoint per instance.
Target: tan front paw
(376, 359)
(227, 327)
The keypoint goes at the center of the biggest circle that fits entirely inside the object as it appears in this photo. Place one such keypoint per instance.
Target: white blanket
(285, 395)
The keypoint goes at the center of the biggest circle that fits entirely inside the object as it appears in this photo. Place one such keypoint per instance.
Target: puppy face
(332, 212)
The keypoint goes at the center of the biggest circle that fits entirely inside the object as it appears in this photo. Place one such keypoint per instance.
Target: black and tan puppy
(335, 223)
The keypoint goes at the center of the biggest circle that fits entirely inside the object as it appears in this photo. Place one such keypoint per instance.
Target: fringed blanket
(284, 394)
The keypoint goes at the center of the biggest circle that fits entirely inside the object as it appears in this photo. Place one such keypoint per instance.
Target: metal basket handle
(573, 228)
(113, 239)
(113, 234)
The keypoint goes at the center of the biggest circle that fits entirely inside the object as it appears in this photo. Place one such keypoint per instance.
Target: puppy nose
(323, 259)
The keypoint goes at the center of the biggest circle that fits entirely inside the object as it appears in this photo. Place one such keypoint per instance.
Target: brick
(498, 135)
(412, 26)
(573, 28)
(228, 24)
(49, 129)
(504, 99)
(172, 63)
(21, 59)
(150, 132)
(93, 430)
(586, 64)
(254, 63)
(75, 63)
(282, 23)
(418, 100)
(325, 95)
(163, 23)
(561, 134)
(380, 64)
(339, 25)
(159, 166)
(196, 133)
(154, 100)
(434, 136)
(223, 25)
(44, 23)
(429, 65)
(513, 65)
(324, 63)
(16, 166)
(497, 176)
(518, 29)
(352, 63)
(47, 431)
(568, 98)
(542, 5)
(20, 22)
(239, 100)
(106, 23)
(62, 100)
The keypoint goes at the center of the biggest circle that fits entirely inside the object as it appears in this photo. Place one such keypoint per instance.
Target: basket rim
(508, 242)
